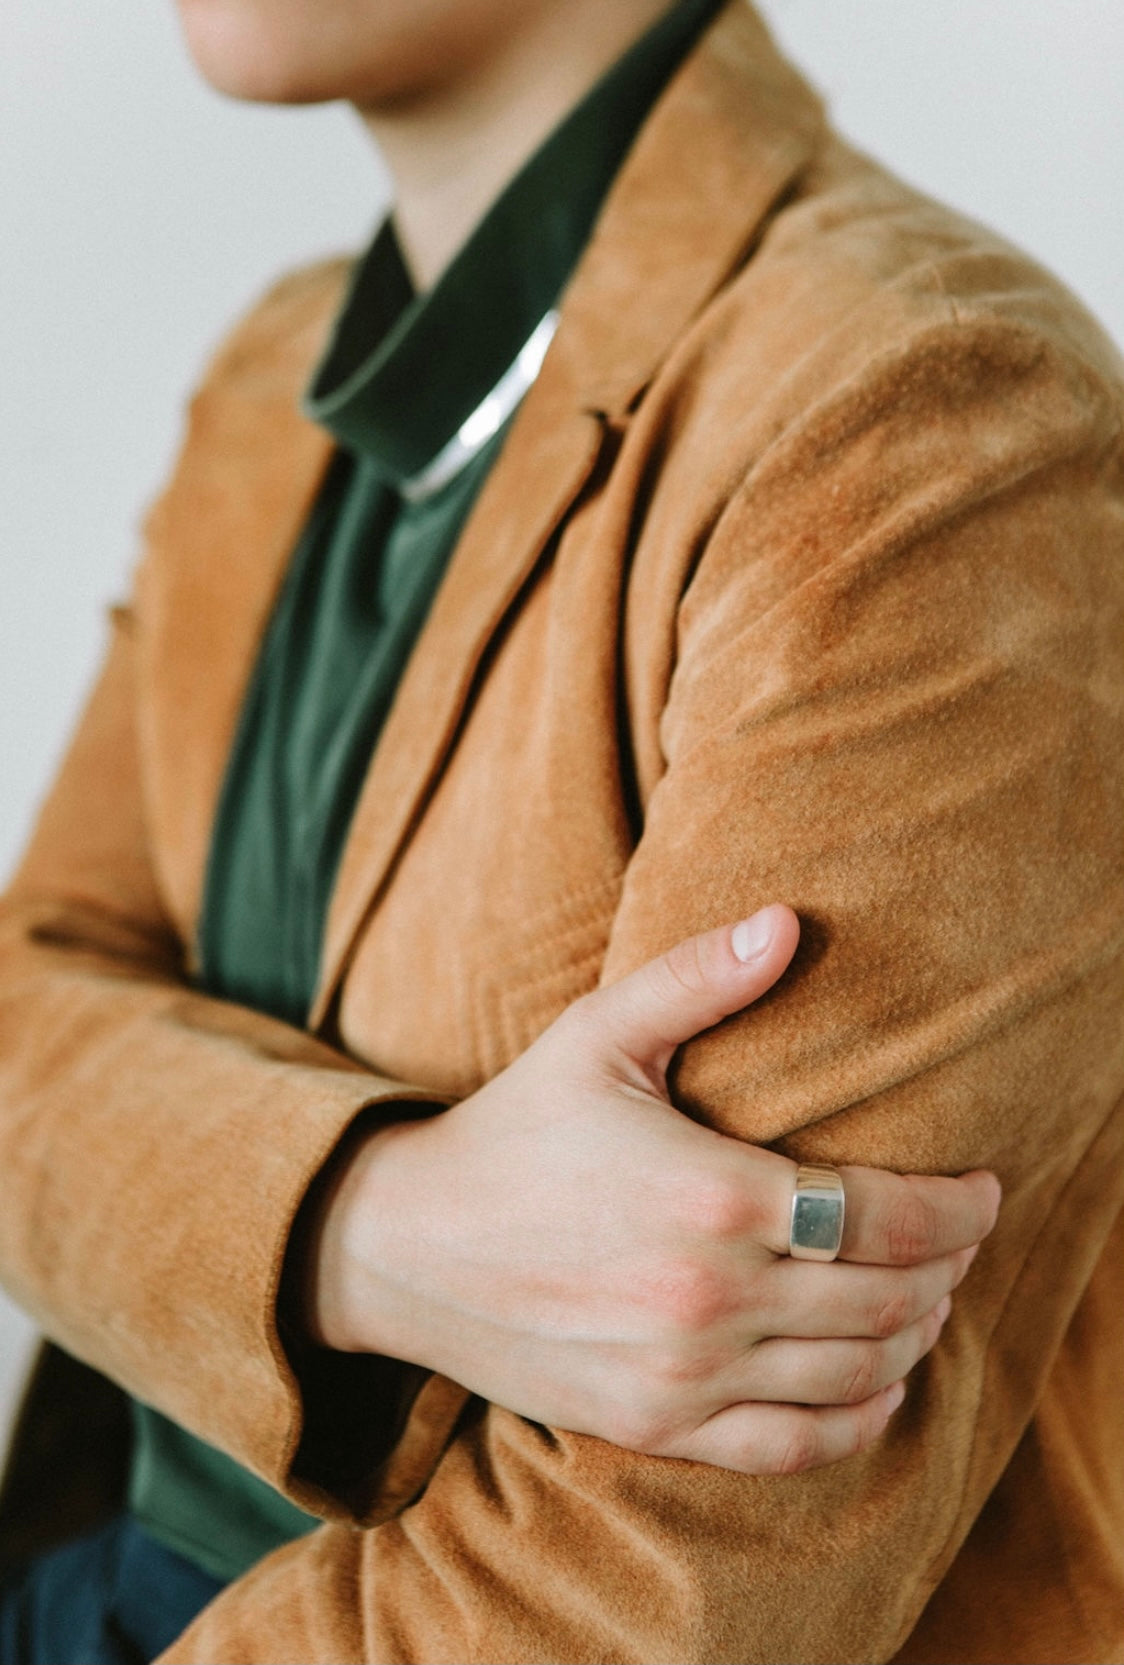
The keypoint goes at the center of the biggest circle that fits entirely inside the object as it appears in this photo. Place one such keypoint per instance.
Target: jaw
(377, 54)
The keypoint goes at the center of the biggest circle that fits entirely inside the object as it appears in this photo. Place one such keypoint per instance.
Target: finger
(900, 1219)
(805, 1298)
(695, 984)
(831, 1372)
(787, 1439)
(893, 1219)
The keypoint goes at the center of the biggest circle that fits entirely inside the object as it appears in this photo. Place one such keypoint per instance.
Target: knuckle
(691, 1297)
(679, 1368)
(719, 1207)
(799, 1450)
(624, 1429)
(889, 1314)
(683, 969)
(636, 1428)
(861, 1378)
(911, 1229)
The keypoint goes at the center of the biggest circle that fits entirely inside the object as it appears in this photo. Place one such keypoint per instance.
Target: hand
(568, 1245)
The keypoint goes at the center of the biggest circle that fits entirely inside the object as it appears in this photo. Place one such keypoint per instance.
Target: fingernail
(894, 1396)
(750, 939)
(944, 1308)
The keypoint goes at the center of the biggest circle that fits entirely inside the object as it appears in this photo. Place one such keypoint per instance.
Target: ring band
(818, 1205)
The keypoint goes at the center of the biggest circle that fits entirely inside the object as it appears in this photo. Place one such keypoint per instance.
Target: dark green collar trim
(404, 371)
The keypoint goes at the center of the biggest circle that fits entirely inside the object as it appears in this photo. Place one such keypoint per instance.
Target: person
(695, 525)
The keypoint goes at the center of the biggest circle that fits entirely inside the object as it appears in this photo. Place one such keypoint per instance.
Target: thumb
(695, 984)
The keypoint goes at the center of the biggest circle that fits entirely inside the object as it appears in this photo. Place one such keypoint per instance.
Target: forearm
(155, 1144)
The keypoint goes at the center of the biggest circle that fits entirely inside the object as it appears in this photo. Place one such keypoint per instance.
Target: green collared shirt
(401, 375)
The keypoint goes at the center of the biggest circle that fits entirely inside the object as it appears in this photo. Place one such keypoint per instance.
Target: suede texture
(800, 578)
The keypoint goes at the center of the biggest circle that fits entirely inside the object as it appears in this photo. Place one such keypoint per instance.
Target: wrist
(351, 1288)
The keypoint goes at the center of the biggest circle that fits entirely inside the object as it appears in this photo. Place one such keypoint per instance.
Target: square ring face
(817, 1225)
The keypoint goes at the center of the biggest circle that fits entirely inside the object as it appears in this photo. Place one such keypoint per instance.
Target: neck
(453, 147)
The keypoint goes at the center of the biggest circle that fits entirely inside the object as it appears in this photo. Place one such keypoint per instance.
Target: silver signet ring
(816, 1230)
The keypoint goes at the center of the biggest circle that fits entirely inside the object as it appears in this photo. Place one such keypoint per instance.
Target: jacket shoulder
(283, 332)
(864, 264)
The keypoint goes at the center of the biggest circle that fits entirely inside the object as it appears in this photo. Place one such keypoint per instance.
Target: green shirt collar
(403, 371)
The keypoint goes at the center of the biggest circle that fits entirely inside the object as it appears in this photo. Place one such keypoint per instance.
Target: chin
(258, 51)
(315, 51)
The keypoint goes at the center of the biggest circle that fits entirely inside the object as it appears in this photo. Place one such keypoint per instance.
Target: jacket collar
(722, 146)
(404, 371)
(731, 132)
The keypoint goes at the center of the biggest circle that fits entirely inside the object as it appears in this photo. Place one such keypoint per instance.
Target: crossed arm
(651, 1326)
(568, 1245)
(943, 1027)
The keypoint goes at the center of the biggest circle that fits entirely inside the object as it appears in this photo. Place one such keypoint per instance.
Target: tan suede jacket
(801, 577)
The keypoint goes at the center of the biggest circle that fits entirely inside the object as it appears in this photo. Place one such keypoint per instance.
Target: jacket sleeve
(155, 1145)
(897, 705)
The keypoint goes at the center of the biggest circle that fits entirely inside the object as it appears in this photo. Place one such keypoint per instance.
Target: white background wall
(140, 213)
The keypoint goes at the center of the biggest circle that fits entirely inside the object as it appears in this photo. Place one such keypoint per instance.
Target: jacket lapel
(558, 444)
(722, 146)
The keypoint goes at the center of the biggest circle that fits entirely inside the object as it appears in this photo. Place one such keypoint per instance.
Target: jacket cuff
(353, 1406)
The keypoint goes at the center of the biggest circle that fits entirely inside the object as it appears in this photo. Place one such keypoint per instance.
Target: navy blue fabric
(116, 1597)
